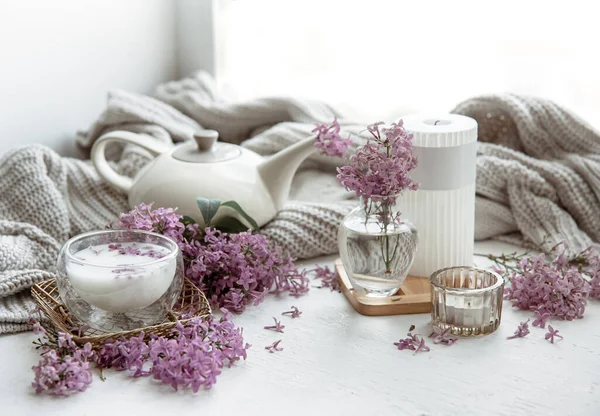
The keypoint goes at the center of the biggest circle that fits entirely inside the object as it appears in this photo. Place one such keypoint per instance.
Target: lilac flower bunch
(192, 356)
(236, 269)
(329, 141)
(381, 168)
(378, 173)
(233, 270)
(557, 287)
(63, 369)
(195, 356)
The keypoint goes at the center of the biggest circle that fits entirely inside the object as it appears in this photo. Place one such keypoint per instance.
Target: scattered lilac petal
(413, 342)
(294, 313)
(552, 333)
(522, 330)
(113, 247)
(442, 336)
(274, 347)
(329, 278)
(540, 318)
(277, 327)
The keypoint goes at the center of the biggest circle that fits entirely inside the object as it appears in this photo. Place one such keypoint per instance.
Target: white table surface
(336, 361)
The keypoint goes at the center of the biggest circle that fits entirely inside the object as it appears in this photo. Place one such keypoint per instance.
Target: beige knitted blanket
(542, 177)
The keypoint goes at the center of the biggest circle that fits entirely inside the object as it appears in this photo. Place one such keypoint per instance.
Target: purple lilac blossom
(551, 334)
(193, 355)
(277, 327)
(540, 318)
(233, 270)
(329, 141)
(329, 278)
(558, 288)
(381, 168)
(294, 313)
(274, 347)
(161, 220)
(521, 331)
(64, 370)
(413, 342)
(153, 253)
(442, 336)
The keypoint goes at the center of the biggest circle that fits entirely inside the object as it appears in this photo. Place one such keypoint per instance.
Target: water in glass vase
(377, 251)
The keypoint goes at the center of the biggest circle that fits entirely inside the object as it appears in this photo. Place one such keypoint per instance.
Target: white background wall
(374, 60)
(58, 58)
(379, 59)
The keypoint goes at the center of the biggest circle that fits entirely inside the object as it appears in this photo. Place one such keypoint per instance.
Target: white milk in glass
(121, 277)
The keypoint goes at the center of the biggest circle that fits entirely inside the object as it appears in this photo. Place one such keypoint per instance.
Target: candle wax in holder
(467, 300)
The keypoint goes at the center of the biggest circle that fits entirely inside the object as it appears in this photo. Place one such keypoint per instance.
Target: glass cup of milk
(119, 280)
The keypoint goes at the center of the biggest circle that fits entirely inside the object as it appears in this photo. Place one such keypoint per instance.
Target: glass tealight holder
(468, 300)
(119, 280)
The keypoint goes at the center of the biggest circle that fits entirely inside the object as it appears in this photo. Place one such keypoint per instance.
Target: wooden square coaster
(413, 297)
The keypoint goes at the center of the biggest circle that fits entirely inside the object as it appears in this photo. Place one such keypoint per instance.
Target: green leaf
(187, 220)
(231, 225)
(239, 210)
(208, 208)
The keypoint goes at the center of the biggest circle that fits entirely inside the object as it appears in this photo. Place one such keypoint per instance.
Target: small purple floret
(274, 347)
(442, 336)
(552, 333)
(277, 327)
(294, 313)
(413, 342)
(521, 331)
(329, 278)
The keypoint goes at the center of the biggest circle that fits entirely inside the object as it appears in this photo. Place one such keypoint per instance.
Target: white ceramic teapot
(209, 169)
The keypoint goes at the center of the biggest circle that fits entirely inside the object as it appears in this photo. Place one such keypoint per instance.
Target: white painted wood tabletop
(337, 362)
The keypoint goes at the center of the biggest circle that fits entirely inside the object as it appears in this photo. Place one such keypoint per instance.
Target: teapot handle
(123, 183)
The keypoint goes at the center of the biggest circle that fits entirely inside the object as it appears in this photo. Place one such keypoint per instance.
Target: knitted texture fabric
(537, 174)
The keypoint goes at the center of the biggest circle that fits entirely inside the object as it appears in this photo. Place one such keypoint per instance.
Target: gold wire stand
(191, 304)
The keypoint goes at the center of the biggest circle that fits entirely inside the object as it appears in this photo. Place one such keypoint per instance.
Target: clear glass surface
(377, 249)
(118, 280)
(467, 300)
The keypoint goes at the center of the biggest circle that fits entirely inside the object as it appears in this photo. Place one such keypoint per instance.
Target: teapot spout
(278, 170)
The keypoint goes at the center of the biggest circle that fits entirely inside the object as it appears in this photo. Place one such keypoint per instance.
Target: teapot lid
(206, 149)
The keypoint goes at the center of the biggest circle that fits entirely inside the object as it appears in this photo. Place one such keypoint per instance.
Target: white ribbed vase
(443, 209)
